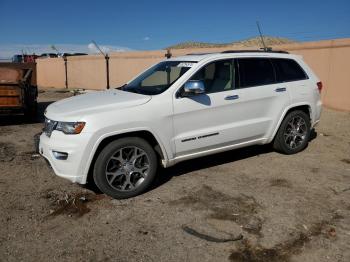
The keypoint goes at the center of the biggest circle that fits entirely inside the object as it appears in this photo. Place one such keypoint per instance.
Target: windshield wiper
(120, 87)
(132, 89)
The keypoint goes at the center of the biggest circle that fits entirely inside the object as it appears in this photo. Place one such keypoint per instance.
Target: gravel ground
(287, 208)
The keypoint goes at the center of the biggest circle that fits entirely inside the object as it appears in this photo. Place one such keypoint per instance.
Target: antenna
(107, 61)
(261, 36)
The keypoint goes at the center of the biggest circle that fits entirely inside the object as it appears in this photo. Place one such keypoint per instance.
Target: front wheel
(293, 134)
(125, 167)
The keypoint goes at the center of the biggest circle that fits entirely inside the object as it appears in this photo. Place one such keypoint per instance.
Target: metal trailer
(18, 90)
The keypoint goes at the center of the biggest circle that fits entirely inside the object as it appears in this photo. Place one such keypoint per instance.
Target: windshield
(158, 78)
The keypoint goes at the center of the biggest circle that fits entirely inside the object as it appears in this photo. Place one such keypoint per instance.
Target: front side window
(255, 72)
(158, 78)
(288, 70)
(216, 76)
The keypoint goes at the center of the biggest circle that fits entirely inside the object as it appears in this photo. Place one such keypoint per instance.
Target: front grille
(49, 126)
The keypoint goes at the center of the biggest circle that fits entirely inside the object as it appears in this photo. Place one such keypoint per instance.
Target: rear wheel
(125, 167)
(293, 134)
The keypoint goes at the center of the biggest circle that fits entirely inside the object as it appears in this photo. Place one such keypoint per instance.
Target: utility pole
(168, 54)
(53, 47)
(107, 61)
(65, 70)
(22, 56)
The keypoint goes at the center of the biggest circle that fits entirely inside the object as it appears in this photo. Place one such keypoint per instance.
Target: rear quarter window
(288, 70)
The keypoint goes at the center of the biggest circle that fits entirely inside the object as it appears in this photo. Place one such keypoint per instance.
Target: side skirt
(207, 152)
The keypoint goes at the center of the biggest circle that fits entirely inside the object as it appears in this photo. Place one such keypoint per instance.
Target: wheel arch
(145, 134)
(306, 108)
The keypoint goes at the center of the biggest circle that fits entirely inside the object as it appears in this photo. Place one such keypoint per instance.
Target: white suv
(178, 109)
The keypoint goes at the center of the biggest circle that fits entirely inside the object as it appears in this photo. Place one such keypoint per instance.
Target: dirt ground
(287, 208)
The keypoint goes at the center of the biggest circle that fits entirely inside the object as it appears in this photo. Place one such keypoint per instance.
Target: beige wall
(50, 72)
(125, 66)
(337, 95)
(88, 72)
(329, 59)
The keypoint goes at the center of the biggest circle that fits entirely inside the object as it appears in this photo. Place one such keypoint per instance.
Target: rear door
(290, 73)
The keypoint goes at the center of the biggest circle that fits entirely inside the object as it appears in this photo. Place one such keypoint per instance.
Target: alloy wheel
(295, 132)
(127, 168)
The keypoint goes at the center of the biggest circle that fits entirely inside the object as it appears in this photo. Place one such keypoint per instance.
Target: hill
(250, 42)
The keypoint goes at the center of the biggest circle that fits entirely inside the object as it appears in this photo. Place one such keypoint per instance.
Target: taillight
(319, 86)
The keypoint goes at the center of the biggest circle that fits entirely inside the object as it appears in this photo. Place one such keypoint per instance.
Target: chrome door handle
(232, 97)
(281, 89)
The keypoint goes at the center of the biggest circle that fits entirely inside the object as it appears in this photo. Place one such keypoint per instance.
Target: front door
(205, 121)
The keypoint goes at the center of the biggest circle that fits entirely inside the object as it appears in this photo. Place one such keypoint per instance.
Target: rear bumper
(314, 124)
(74, 145)
(317, 114)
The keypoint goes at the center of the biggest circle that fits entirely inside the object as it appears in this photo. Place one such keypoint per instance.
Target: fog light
(60, 155)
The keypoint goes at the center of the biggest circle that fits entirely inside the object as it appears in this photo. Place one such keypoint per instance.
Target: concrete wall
(329, 59)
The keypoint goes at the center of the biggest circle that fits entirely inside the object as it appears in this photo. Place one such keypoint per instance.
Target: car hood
(76, 107)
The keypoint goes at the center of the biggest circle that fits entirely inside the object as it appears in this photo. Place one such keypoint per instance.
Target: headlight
(70, 127)
(65, 127)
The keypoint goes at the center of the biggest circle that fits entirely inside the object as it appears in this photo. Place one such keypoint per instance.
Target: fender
(121, 132)
(285, 113)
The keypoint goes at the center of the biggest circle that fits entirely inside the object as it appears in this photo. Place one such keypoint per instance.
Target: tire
(31, 103)
(294, 127)
(125, 167)
(31, 112)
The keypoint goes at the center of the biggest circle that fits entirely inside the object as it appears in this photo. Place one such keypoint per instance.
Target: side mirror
(193, 87)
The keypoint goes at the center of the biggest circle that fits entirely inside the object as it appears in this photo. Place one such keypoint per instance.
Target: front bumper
(74, 145)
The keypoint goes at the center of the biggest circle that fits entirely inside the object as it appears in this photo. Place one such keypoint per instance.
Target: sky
(33, 26)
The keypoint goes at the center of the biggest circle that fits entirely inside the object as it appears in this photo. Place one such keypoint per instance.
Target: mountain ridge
(249, 42)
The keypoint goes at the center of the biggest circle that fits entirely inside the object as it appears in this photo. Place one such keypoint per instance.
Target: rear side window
(288, 70)
(255, 72)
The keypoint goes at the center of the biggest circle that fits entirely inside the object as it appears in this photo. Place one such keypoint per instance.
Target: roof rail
(254, 51)
(209, 53)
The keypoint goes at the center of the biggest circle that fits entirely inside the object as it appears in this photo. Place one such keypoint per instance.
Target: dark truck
(18, 89)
